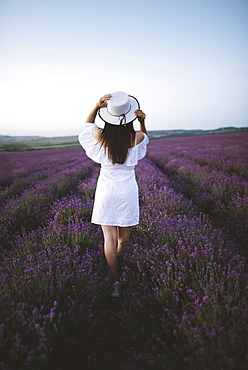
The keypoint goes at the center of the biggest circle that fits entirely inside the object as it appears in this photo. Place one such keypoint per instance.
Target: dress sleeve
(137, 152)
(91, 146)
(85, 137)
(141, 147)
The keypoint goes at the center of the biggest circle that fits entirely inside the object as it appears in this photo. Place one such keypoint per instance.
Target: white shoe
(116, 290)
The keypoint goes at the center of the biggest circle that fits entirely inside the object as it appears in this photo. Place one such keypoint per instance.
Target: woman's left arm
(100, 104)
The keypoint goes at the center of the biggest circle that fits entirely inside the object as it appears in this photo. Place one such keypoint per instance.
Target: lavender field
(184, 301)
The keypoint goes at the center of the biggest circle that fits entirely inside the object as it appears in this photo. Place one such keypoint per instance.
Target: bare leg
(110, 248)
(123, 237)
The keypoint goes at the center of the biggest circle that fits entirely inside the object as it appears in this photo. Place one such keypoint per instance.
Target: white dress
(116, 198)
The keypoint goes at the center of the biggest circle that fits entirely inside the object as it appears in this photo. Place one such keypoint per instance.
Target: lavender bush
(22, 211)
(184, 296)
(213, 172)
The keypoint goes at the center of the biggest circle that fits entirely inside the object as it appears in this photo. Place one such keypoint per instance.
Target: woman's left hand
(103, 102)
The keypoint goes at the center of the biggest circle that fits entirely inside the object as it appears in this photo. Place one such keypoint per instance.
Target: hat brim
(114, 120)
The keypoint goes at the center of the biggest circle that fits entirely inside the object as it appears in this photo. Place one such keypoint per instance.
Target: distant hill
(18, 138)
(156, 134)
(23, 143)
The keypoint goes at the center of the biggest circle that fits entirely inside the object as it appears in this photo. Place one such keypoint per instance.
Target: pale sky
(186, 61)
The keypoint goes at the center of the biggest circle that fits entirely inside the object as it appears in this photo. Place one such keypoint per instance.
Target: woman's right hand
(141, 115)
(141, 118)
(103, 102)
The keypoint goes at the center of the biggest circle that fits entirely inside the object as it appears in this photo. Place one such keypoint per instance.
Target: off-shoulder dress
(116, 198)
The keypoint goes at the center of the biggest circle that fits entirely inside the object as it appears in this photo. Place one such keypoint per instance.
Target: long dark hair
(118, 139)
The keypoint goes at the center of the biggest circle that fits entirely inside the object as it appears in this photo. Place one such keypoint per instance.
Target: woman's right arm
(141, 118)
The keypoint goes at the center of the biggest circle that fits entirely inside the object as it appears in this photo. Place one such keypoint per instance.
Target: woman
(117, 147)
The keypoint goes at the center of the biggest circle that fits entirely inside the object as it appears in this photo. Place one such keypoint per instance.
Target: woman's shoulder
(140, 136)
(96, 132)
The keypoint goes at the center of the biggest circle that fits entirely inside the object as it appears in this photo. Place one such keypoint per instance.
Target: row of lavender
(184, 299)
(42, 254)
(213, 172)
(31, 182)
(48, 280)
(198, 284)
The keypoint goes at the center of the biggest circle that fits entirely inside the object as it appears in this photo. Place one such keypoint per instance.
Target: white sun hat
(120, 109)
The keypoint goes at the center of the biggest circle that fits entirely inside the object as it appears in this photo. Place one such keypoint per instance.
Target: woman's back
(89, 139)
